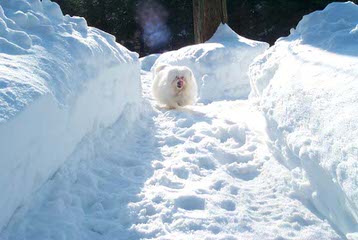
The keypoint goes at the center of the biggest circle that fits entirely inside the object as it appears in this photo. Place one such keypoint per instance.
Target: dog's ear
(160, 67)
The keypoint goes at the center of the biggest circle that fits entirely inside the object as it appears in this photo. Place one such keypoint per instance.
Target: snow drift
(59, 81)
(148, 61)
(307, 85)
(220, 65)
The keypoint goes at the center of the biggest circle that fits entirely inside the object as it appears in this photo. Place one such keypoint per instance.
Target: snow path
(205, 172)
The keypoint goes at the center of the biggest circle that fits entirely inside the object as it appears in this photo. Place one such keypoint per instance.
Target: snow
(59, 81)
(204, 172)
(220, 65)
(307, 85)
(148, 61)
(279, 165)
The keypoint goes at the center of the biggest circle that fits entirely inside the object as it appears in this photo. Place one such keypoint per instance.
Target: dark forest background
(150, 26)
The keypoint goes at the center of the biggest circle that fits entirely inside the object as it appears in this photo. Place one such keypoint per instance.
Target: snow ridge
(59, 81)
(307, 88)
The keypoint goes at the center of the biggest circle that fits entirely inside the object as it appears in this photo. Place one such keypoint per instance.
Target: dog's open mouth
(180, 83)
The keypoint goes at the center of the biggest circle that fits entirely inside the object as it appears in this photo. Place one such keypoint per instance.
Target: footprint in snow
(228, 205)
(190, 202)
(218, 185)
(246, 172)
(181, 172)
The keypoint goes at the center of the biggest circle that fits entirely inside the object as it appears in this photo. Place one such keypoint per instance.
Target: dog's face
(180, 79)
(174, 86)
(179, 82)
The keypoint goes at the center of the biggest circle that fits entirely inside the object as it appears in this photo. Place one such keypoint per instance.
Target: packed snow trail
(204, 172)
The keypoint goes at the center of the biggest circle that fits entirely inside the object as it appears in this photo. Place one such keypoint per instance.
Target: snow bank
(148, 61)
(307, 85)
(59, 81)
(220, 65)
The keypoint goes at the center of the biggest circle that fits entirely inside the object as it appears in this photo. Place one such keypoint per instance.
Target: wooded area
(162, 25)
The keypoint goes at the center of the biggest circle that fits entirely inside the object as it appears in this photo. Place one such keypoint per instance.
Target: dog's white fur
(165, 89)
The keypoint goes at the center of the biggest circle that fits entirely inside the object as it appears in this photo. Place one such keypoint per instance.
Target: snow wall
(59, 81)
(220, 65)
(307, 85)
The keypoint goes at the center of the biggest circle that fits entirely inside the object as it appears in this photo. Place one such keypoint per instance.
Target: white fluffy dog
(174, 86)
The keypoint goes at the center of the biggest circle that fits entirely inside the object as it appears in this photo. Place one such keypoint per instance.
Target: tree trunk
(208, 14)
